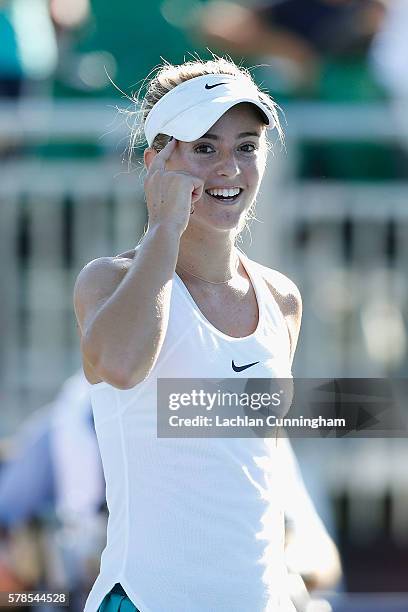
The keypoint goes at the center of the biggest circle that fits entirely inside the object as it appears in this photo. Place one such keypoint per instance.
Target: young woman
(195, 524)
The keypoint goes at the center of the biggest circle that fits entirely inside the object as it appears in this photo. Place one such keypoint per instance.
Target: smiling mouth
(226, 196)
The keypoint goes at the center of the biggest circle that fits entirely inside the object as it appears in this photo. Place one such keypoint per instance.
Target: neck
(212, 257)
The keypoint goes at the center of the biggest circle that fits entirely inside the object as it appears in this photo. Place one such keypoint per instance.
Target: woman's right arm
(122, 308)
(122, 305)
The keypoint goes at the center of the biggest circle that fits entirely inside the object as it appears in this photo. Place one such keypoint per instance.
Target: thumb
(198, 188)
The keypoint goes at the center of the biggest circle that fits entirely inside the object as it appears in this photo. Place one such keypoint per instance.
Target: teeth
(225, 193)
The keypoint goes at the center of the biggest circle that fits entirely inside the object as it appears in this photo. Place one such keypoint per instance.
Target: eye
(248, 147)
(203, 148)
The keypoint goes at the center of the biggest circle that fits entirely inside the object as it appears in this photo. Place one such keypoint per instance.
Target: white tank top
(195, 524)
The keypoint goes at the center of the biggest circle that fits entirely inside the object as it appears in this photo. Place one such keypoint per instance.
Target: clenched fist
(170, 194)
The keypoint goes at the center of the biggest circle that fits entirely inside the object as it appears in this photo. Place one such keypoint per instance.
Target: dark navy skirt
(117, 600)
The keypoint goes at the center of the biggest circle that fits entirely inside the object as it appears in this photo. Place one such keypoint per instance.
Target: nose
(228, 166)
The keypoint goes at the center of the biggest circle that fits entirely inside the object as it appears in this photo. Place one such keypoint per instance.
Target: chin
(225, 221)
(224, 217)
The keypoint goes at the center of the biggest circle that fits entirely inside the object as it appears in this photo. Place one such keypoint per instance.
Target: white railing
(347, 247)
(54, 218)
(37, 120)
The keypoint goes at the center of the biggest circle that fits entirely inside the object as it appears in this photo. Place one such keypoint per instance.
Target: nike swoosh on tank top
(195, 524)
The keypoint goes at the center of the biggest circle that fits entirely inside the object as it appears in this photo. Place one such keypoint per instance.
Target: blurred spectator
(29, 51)
(389, 61)
(80, 487)
(36, 39)
(43, 479)
(310, 551)
(314, 49)
(26, 477)
(26, 492)
(125, 44)
(69, 15)
(28, 48)
(294, 36)
(73, 21)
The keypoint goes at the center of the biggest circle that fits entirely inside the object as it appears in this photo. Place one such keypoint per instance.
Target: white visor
(189, 110)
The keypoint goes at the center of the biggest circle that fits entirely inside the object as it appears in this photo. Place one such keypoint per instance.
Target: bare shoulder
(289, 300)
(97, 281)
(285, 291)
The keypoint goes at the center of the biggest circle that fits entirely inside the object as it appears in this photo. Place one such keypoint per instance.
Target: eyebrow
(210, 136)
